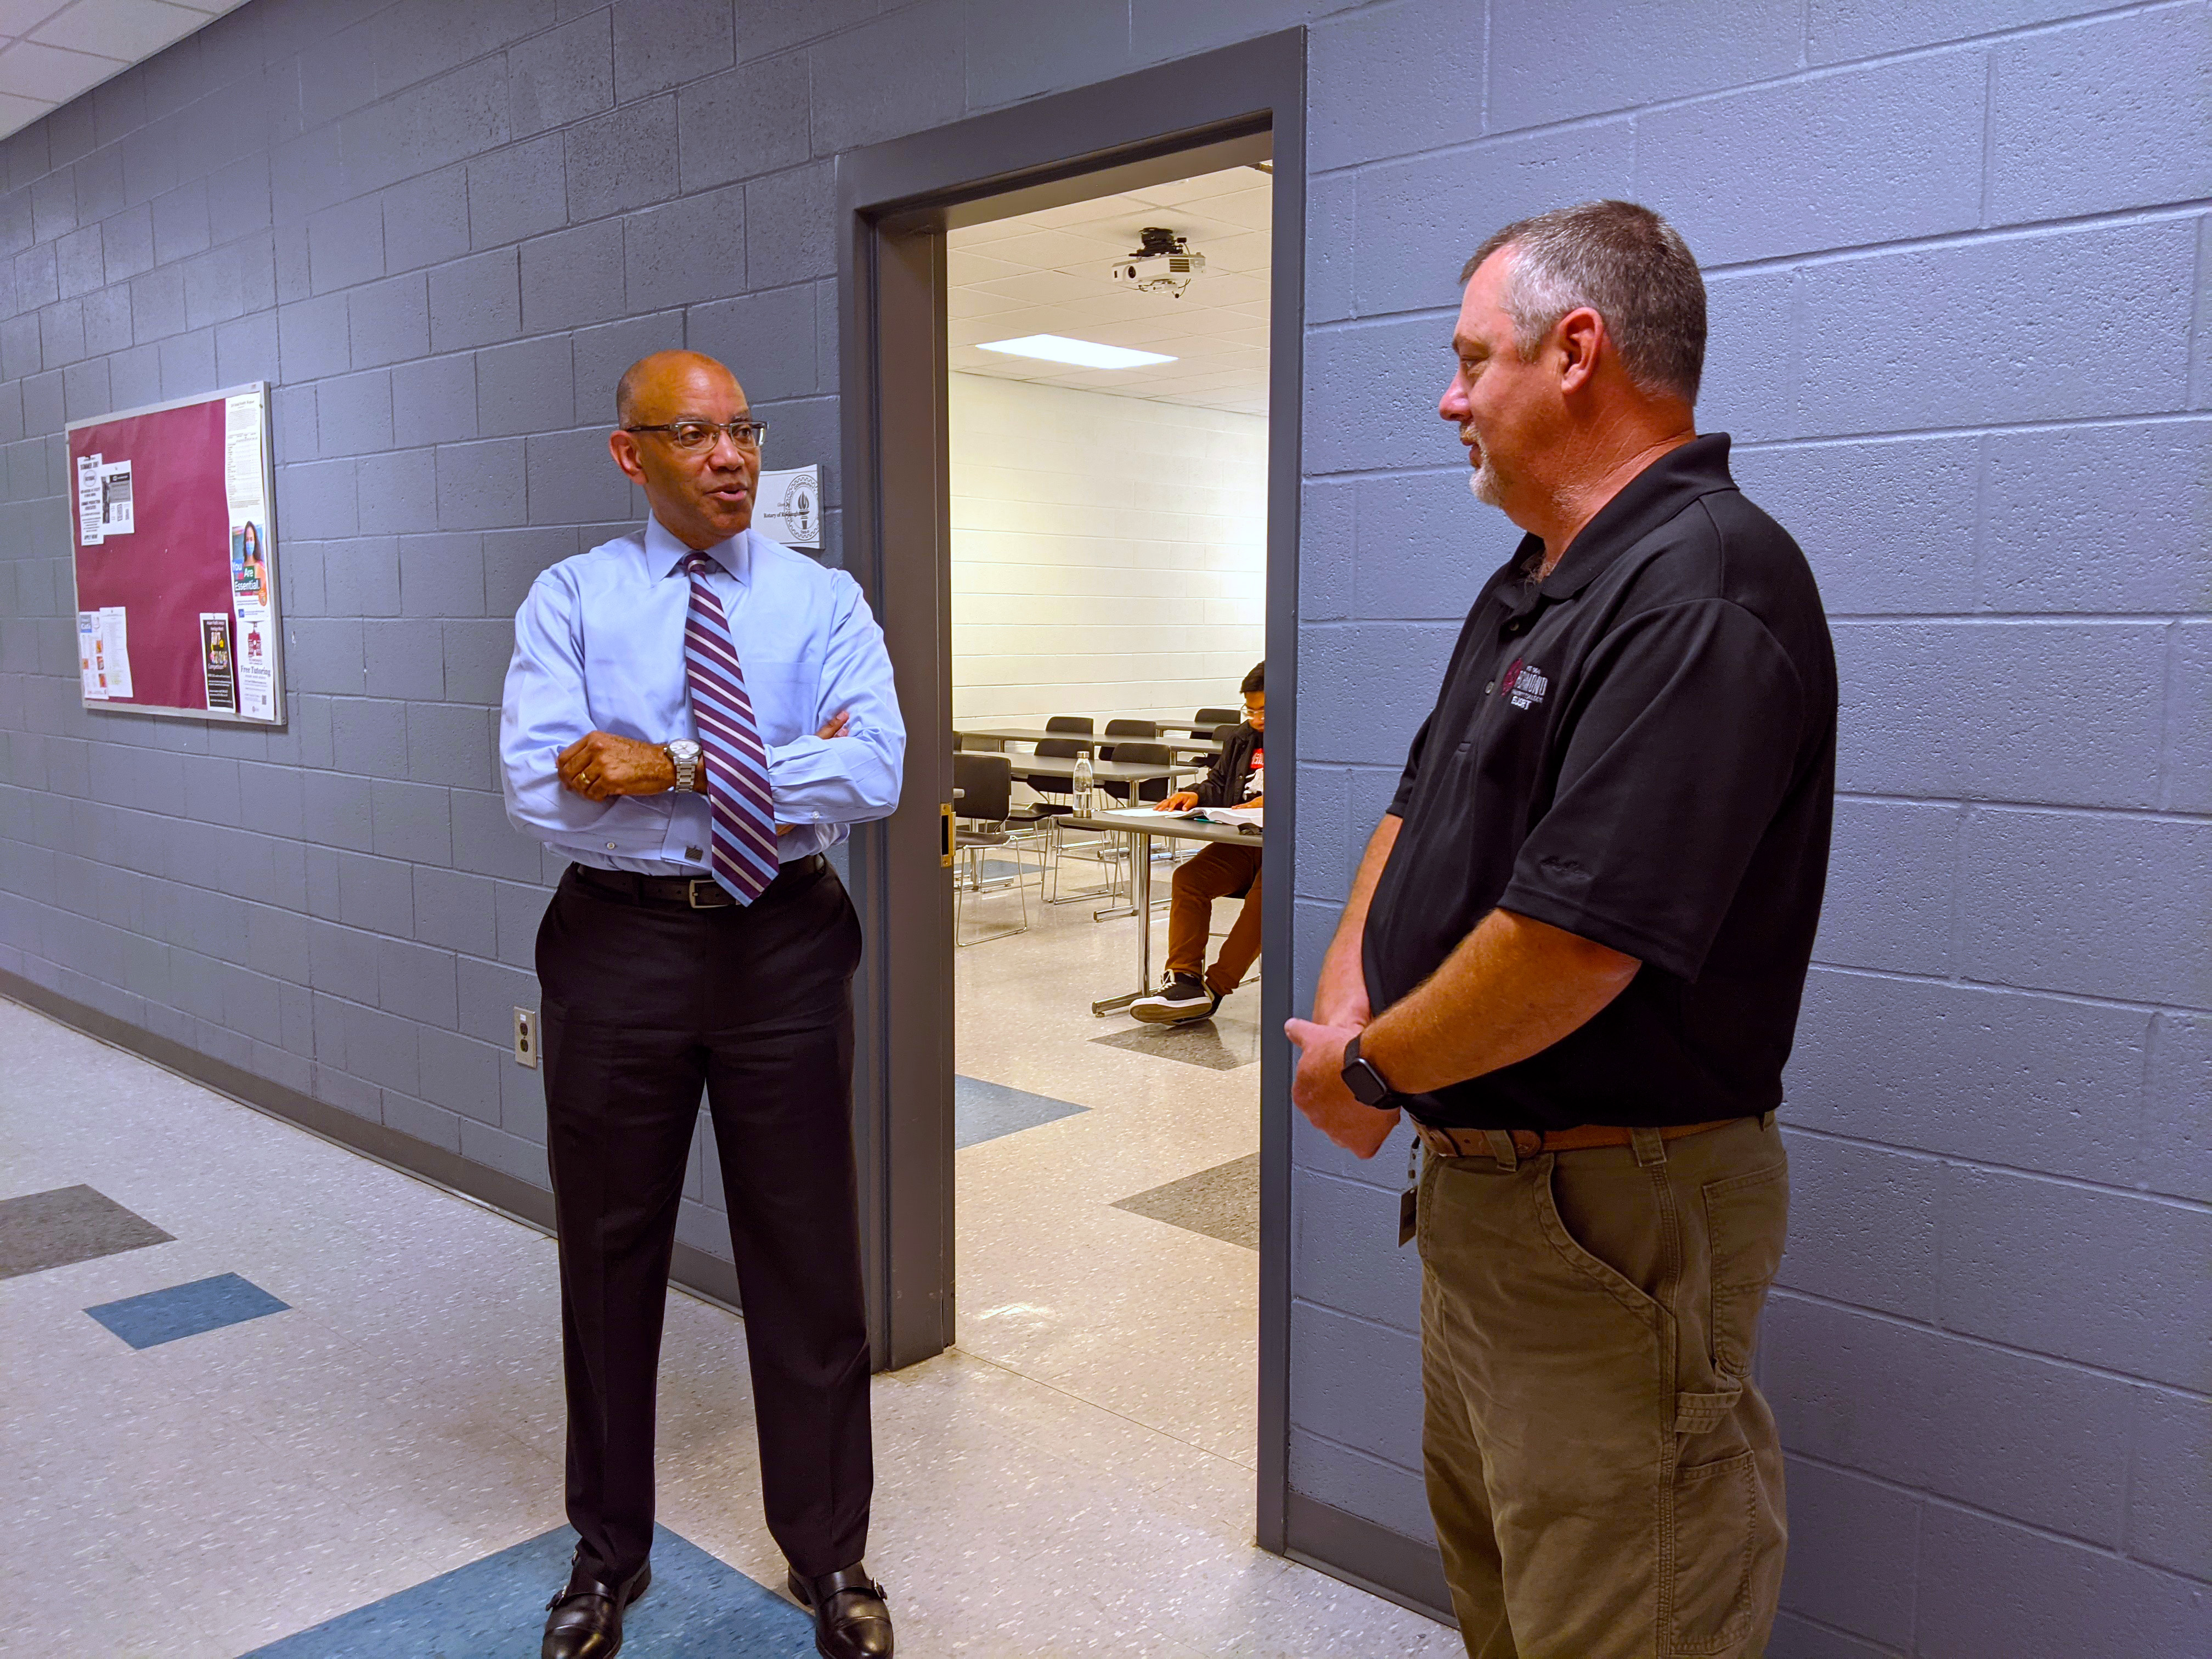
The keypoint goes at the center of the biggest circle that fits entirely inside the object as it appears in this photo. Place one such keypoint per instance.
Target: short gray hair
(1626, 264)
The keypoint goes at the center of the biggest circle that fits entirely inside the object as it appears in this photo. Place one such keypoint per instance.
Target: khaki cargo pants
(1606, 1481)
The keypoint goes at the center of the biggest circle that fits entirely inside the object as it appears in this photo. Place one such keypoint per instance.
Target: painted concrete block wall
(1957, 253)
(1109, 554)
(1925, 231)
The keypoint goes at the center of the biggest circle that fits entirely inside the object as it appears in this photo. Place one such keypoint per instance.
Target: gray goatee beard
(1482, 484)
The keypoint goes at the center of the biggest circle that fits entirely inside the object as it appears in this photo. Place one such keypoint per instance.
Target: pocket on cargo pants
(1724, 1526)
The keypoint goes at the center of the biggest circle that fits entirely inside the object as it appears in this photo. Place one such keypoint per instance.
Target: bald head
(658, 387)
(703, 492)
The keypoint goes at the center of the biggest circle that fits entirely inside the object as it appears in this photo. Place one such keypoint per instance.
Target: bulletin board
(175, 559)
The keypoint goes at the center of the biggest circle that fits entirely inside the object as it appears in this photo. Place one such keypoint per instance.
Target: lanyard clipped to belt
(1409, 1201)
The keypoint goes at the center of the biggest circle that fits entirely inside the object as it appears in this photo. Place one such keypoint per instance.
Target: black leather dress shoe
(850, 1619)
(586, 1617)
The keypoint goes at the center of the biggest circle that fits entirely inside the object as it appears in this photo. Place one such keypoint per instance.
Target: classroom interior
(1108, 553)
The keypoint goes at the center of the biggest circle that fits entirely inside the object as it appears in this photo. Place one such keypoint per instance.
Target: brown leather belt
(1527, 1143)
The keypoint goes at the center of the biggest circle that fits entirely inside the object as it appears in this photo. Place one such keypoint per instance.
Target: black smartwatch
(1368, 1085)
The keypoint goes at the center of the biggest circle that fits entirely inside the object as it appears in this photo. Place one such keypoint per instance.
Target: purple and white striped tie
(743, 855)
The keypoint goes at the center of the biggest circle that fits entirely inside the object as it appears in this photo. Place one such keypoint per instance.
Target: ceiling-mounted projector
(1162, 264)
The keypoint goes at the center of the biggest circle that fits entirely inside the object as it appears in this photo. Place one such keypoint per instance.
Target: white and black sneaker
(1180, 998)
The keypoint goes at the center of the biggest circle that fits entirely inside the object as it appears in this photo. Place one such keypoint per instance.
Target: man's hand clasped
(598, 766)
(1318, 1088)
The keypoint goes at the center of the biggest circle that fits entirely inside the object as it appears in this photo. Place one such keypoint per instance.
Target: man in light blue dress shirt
(693, 715)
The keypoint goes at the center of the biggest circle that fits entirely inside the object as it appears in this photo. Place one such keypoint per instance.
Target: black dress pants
(645, 1002)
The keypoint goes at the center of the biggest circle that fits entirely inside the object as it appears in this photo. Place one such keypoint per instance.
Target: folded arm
(852, 777)
(543, 713)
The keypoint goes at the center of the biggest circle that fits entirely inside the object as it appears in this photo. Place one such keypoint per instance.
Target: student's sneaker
(1180, 998)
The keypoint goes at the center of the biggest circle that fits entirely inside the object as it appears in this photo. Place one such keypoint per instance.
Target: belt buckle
(691, 892)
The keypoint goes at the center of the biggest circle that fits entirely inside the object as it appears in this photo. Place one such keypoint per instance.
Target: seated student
(1221, 870)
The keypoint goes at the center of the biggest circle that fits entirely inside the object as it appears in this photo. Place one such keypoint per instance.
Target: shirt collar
(664, 554)
(1647, 501)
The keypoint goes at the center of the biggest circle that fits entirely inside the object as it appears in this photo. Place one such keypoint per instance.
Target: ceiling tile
(22, 16)
(963, 265)
(1040, 287)
(1056, 250)
(961, 302)
(31, 71)
(76, 46)
(1045, 273)
(17, 111)
(128, 29)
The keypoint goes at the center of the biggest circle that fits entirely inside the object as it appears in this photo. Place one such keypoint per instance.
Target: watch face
(1365, 1083)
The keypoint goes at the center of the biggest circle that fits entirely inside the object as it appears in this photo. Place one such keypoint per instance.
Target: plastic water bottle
(1085, 784)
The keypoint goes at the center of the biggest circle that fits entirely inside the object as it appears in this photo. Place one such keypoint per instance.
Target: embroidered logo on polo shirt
(1525, 685)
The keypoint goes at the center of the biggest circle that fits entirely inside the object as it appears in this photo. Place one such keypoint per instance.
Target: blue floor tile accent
(205, 1305)
(983, 1111)
(494, 1608)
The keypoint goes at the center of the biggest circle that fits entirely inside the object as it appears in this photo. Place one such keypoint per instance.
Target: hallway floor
(322, 1416)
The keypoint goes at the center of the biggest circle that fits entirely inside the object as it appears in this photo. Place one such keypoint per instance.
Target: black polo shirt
(1639, 749)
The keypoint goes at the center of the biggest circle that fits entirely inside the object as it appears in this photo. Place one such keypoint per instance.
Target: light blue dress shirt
(598, 647)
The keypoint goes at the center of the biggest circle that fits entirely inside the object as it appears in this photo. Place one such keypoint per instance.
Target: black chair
(1217, 716)
(982, 745)
(984, 786)
(1221, 734)
(1141, 754)
(1082, 723)
(1046, 783)
(1127, 729)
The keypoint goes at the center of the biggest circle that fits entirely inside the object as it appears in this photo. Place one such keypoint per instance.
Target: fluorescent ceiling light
(1084, 354)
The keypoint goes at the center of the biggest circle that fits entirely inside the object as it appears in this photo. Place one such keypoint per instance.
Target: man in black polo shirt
(1574, 953)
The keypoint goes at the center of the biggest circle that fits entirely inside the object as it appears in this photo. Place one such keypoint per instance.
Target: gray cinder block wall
(1957, 255)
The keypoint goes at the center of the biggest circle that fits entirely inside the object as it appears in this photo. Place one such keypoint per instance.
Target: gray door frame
(895, 203)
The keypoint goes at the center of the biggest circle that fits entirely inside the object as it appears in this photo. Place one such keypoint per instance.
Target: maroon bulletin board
(198, 474)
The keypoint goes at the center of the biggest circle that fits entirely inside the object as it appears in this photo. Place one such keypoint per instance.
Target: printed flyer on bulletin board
(175, 559)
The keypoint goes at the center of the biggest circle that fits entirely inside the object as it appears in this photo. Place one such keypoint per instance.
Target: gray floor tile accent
(983, 1111)
(70, 1223)
(1205, 1042)
(1222, 1202)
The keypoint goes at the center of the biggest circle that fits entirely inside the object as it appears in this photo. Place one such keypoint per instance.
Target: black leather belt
(691, 892)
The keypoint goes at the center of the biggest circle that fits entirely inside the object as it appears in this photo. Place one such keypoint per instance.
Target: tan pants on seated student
(1218, 871)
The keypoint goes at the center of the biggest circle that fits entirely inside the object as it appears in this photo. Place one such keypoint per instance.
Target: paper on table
(1229, 817)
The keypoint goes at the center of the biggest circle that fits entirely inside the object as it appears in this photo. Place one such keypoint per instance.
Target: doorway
(899, 202)
(1107, 375)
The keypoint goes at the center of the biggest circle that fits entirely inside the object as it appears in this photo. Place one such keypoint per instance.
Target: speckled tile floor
(1073, 1479)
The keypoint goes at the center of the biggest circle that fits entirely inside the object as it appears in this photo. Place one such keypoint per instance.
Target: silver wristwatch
(684, 755)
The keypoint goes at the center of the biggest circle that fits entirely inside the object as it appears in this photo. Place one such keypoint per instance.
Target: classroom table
(1102, 771)
(1143, 823)
(1034, 734)
(1207, 728)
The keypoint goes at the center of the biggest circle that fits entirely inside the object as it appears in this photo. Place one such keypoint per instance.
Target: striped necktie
(745, 857)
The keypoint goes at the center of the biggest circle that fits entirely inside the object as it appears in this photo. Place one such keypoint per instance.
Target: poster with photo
(215, 661)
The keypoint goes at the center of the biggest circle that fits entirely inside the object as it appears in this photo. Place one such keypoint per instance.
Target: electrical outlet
(526, 1037)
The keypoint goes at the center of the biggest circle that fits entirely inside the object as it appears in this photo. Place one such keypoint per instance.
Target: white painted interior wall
(1108, 554)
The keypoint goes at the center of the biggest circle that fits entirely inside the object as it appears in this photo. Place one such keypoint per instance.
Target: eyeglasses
(693, 436)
